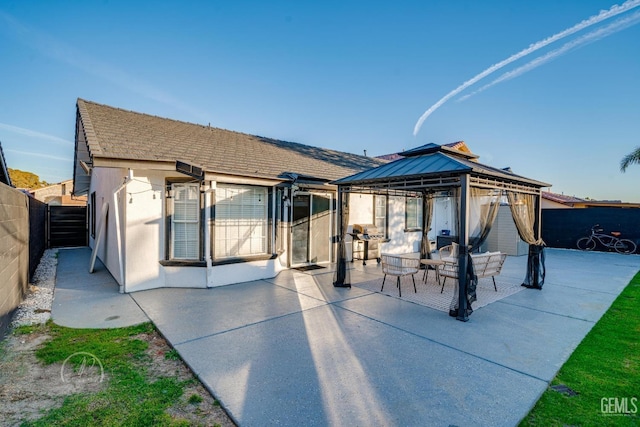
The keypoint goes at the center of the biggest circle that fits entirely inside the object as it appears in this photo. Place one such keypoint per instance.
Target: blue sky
(352, 76)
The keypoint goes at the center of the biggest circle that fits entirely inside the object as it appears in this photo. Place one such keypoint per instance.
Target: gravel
(36, 307)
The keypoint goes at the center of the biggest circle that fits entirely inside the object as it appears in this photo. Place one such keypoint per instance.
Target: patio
(435, 171)
(295, 350)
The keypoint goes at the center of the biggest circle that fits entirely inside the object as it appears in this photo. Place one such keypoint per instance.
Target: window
(185, 221)
(241, 221)
(380, 214)
(413, 214)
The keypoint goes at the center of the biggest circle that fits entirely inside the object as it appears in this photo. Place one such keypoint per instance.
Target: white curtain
(483, 210)
(427, 215)
(523, 210)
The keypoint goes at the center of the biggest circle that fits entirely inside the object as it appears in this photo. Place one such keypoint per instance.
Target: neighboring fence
(14, 251)
(561, 228)
(37, 233)
(67, 226)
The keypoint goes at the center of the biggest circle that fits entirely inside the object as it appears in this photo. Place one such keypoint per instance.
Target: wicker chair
(488, 264)
(399, 266)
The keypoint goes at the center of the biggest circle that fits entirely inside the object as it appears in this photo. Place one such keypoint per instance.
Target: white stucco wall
(141, 210)
(104, 181)
(361, 212)
(443, 217)
(550, 204)
(145, 234)
(400, 241)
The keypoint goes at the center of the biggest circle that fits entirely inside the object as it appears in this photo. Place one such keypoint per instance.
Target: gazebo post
(538, 222)
(463, 248)
(340, 277)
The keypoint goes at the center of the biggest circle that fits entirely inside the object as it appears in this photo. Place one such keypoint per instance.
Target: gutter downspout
(207, 233)
(116, 212)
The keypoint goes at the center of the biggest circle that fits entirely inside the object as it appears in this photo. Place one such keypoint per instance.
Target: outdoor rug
(429, 293)
(309, 267)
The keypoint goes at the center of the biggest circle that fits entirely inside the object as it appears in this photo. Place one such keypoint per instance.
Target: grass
(195, 399)
(604, 371)
(129, 397)
(172, 354)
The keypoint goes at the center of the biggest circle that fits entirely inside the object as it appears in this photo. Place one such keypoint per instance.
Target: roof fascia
(107, 162)
(243, 180)
(170, 166)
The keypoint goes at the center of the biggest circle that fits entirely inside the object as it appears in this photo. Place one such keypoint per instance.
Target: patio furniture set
(488, 264)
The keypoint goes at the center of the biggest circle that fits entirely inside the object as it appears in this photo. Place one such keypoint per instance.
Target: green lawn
(604, 371)
(130, 398)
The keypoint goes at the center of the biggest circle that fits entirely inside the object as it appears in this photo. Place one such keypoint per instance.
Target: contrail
(591, 37)
(29, 132)
(605, 14)
(66, 53)
(45, 156)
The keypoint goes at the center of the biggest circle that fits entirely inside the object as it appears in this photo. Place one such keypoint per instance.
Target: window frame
(418, 215)
(169, 220)
(376, 197)
(267, 225)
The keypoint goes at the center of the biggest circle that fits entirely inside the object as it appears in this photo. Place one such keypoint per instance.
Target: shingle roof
(115, 133)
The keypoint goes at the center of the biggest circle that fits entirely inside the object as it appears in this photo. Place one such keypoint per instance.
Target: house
(175, 204)
(560, 201)
(59, 194)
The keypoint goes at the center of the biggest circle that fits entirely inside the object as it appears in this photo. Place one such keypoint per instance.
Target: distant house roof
(433, 161)
(576, 202)
(561, 198)
(460, 146)
(113, 135)
(4, 170)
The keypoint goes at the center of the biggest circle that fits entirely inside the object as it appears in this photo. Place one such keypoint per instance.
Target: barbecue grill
(362, 235)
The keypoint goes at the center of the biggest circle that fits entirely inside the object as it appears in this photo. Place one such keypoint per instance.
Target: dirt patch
(28, 388)
(196, 404)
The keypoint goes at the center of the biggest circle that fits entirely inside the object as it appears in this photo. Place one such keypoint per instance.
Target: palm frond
(629, 159)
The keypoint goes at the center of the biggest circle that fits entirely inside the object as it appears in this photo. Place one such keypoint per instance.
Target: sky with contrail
(583, 40)
(615, 10)
(338, 75)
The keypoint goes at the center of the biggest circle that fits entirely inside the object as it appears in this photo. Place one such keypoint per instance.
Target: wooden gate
(67, 226)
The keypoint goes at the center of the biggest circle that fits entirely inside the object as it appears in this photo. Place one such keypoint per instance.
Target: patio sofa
(488, 264)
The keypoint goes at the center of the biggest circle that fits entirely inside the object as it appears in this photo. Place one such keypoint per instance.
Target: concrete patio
(294, 350)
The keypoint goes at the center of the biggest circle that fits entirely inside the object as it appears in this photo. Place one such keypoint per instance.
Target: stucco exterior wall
(143, 202)
(550, 204)
(55, 190)
(401, 241)
(145, 232)
(105, 181)
(140, 210)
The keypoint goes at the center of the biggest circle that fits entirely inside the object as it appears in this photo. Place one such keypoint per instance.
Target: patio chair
(488, 264)
(449, 253)
(398, 266)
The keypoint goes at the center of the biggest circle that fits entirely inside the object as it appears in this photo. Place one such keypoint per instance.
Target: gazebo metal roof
(430, 169)
(432, 166)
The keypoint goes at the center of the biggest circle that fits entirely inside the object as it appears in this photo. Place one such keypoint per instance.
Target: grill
(362, 235)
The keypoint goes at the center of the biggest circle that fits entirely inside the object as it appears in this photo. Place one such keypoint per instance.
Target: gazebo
(433, 170)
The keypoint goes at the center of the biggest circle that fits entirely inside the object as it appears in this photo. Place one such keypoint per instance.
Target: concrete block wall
(14, 251)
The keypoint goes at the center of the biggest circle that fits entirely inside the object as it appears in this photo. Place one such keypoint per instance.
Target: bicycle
(612, 241)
